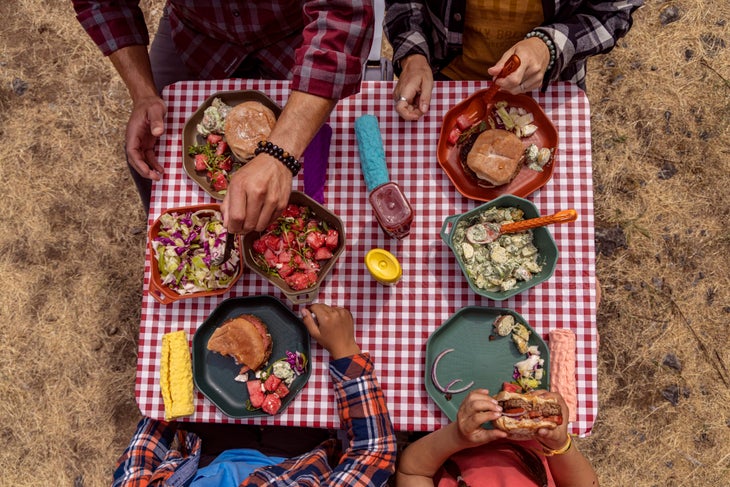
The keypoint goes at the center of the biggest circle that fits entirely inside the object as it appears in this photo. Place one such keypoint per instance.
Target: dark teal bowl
(543, 240)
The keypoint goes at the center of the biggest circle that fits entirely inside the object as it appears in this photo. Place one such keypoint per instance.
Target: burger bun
(524, 427)
(246, 125)
(496, 156)
(245, 338)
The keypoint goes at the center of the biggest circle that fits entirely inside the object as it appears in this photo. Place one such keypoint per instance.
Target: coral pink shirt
(490, 466)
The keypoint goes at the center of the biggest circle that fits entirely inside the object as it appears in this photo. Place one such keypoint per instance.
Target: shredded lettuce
(186, 248)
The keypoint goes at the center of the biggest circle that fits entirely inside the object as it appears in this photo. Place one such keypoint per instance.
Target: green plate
(214, 374)
(542, 239)
(476, 358)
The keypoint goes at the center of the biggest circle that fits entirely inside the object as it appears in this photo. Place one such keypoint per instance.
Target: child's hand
(476, 409)
(333, 328)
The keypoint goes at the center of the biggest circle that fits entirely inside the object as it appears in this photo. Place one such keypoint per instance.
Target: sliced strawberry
(201, 162)
(332, 239)
(221, 148)
(283, 390)
(214, 139)
(271, 383)
(323, 253)
(255, 394)
(272, 404)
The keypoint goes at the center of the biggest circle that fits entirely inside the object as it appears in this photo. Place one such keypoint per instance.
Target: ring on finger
(401, 98)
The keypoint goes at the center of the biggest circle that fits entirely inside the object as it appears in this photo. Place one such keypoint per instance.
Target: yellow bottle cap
(383, 266)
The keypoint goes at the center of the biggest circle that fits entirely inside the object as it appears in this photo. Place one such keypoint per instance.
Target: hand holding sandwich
(333, 328)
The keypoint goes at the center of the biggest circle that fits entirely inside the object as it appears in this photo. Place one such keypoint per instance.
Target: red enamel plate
(473, 109)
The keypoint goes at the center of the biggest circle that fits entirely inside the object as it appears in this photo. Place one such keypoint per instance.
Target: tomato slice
(515, 411)
(511, 387)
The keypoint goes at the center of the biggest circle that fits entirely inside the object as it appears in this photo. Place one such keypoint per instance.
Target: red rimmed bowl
(167, 294)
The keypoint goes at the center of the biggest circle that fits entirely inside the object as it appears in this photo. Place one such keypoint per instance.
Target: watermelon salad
(295, 247)
(268, 387)
(214, 157)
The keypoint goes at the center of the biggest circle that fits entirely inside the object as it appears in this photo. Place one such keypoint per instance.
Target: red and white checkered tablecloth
(393, 323)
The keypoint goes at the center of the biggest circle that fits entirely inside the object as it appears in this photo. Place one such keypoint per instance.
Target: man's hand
(534, 58)
(148, 110)
(333, 328)
(143, 129)
(257, 194)
(412, 94)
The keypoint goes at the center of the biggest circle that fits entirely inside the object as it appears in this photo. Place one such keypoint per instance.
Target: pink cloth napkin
(315, 164)
(562, 368)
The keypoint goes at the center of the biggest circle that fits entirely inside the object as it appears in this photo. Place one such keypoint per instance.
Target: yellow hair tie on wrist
(563, 449)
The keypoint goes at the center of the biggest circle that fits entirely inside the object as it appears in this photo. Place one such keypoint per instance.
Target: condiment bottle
(391, 206)
(383, 266)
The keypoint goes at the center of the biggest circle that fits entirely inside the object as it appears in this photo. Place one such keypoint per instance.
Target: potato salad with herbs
(499, 265)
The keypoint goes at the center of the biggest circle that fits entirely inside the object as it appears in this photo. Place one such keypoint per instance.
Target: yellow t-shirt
(490, 28)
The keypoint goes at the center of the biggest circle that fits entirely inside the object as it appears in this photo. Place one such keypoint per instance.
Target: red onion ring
(435, 365)
(447, 389)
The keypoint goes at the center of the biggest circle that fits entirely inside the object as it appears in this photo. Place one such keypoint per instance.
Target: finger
(155, 169)
(236, 213)
(424, 101)
(310, 323)
(155, 114)
(267, 214)
(224, 212)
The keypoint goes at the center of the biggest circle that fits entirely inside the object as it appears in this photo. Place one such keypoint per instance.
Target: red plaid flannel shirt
(321, 45)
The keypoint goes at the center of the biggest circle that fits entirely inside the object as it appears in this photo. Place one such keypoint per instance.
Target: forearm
(133, 65)
(572, 469)
(370, 456)
(300, 120)
(422, 459)
(406, 26)
(571, 34)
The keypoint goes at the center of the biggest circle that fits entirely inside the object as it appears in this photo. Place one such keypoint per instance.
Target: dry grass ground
(72, 250)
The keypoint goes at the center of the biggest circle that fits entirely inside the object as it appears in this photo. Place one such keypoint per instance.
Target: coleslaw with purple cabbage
(187, 247)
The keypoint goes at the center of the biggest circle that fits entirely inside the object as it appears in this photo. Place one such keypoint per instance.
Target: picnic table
(392, 323)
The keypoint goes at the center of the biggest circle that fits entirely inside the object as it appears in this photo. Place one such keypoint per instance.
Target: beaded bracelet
(277, 152)
(563, 449)
(548, 42)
